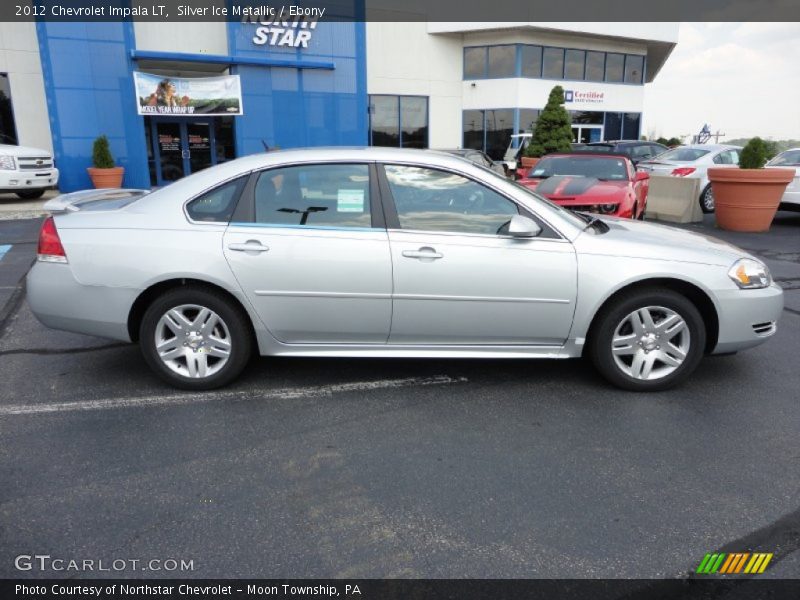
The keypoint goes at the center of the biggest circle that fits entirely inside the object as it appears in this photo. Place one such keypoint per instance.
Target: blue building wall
(86, 69)
(288, 107)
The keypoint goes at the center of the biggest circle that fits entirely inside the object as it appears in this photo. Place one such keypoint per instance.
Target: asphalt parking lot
(396, 468)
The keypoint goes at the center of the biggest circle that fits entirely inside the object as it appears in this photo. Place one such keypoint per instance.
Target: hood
(571, 189)
(637, 239)
(23, 150)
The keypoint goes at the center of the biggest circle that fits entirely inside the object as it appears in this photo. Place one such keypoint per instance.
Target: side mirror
(641, 176)
(523, 227)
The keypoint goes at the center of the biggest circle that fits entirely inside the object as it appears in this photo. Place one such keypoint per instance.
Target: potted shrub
(747, 198)
(104, 173)
(553, 131)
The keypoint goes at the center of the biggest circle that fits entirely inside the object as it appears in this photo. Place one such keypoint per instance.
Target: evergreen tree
(101, 154)
(553, 131)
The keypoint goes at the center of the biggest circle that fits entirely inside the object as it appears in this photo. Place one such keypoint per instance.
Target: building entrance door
(584, 134)
(180, 147)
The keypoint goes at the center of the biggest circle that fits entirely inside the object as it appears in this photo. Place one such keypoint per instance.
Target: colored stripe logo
(733, 563)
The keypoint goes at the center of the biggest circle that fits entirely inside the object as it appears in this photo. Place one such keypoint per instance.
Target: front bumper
(19, 181)
(747, 318)
(59, 301)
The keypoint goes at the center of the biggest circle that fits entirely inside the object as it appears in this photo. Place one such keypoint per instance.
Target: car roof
(709, 147)
(459, 151)
(586, 154)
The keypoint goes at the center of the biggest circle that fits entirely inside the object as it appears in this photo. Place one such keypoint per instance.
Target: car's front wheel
(707, 199)
(648, 340)
(195, 339)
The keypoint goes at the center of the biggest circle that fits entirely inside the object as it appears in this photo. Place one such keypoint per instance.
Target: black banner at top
(493, 12)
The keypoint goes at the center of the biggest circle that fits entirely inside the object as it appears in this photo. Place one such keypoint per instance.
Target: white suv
(27, 172)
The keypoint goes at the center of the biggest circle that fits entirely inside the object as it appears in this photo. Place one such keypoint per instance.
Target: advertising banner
(181, 96)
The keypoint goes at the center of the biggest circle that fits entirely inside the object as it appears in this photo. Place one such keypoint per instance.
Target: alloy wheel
(650, 343)
(192, 341)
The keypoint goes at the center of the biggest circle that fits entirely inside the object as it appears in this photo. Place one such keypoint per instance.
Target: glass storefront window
(223, 132)
(587, 117)
(499, 127)
(398, 121)
(531, 61)
(574, 64)
(630, 126)
(474, 63)
(595, 66)
(473, 129)
(384, 121)
(527, 119)
(553, 63)
(414, 122)
(502, 61)
(8, 128)
(614, 67)
(613, 127)
(634, 67)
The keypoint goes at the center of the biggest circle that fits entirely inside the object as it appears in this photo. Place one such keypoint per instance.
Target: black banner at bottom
(729, 588)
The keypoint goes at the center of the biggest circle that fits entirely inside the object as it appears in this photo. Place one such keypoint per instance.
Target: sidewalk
(11, 207)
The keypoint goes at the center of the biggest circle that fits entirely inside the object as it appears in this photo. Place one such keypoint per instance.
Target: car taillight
(683, 171)
(50, 247)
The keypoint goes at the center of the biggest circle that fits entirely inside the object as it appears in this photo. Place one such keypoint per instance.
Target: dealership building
(310, 82)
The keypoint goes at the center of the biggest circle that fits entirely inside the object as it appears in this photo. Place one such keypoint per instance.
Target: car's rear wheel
(707, 199)
(195, 339)
(30, 194)
(648, 340)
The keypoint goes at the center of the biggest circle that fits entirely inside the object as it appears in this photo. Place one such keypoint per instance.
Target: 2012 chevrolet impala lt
(367, 252)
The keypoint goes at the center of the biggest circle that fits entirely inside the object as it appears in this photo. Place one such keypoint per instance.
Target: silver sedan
(384, 252)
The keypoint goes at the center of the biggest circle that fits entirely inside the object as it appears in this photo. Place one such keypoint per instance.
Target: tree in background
(553, 131)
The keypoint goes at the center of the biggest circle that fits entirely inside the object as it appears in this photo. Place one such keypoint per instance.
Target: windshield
(789, 158)
(683, 154)
(609, 169)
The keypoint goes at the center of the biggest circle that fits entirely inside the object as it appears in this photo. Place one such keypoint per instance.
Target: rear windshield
(583, 166)
(683, 154)
(789, 158)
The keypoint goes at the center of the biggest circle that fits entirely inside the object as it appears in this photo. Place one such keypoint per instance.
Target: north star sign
(295, 33)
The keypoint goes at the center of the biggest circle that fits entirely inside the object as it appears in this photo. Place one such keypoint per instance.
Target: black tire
(599, 345)
(707, 200)
(30, 194)
(238, 330)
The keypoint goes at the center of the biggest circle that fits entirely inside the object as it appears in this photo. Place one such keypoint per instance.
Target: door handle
(426, 252)
(249, 246)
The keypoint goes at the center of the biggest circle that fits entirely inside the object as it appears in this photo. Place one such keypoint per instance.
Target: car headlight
(7, 162)
(750, 274)
(608, 208)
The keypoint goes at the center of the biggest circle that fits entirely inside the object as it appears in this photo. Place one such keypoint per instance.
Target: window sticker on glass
(350, 201)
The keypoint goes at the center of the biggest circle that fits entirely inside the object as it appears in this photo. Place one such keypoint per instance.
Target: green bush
(101, 154)
(754, 155)
(553, 132)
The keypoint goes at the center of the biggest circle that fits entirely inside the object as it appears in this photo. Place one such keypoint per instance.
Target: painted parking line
(4, 249)
(256, 394)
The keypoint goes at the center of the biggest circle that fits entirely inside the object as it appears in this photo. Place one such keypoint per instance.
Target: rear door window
(329, 195)
(218, 204)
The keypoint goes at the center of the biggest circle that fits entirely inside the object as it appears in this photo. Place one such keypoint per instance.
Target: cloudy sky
(740, 78)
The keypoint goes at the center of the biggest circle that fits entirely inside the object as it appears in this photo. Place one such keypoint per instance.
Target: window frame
(245, 213)
(549, 233)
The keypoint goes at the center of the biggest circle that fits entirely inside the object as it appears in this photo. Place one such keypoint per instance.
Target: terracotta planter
(106, 178)
(529, 161)
(747, 199)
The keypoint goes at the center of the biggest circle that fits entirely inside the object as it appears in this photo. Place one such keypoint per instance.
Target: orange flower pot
(747, 199)
(106, 178)
(529, 162)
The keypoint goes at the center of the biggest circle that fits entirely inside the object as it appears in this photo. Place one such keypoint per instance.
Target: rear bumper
(747, 318)
(61, 302)
(19, 181)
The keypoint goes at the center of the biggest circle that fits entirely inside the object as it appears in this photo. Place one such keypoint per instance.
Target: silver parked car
(788, 159)
(386, 252)
(693, 162)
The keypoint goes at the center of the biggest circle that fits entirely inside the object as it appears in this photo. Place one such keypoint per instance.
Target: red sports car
(606, 184)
